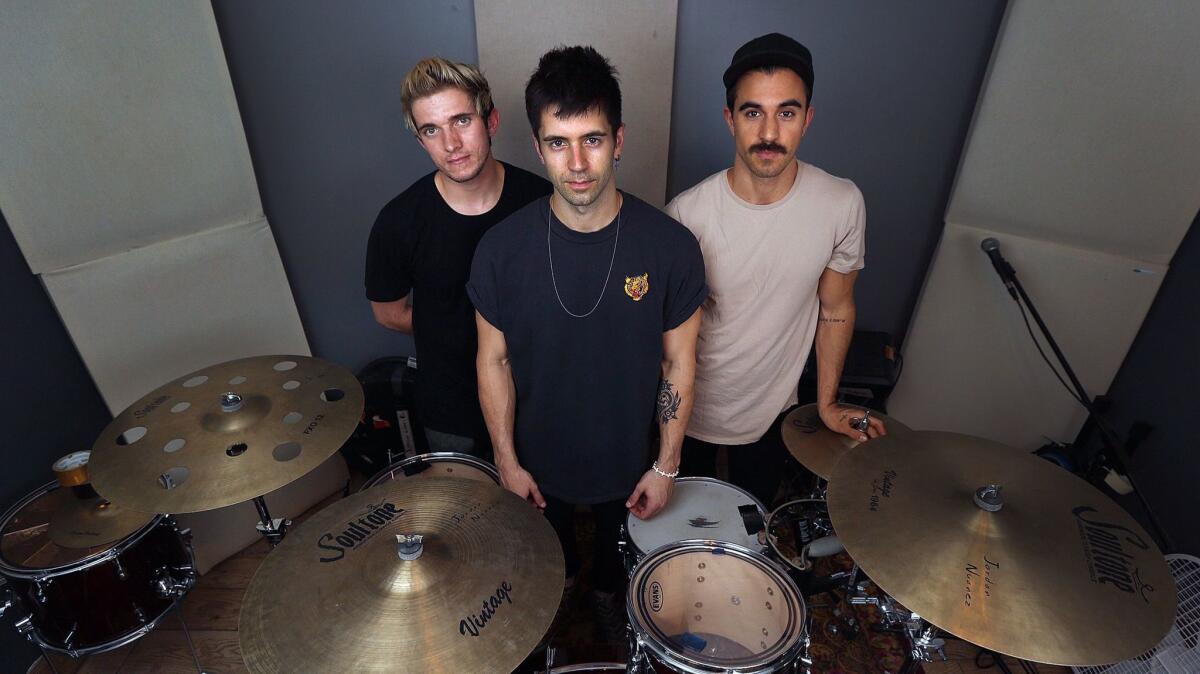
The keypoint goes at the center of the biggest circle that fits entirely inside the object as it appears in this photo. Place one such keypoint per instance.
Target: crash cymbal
(1059, 573)
(816, 447)
(337, 596)
(226, 434)
(90, 522)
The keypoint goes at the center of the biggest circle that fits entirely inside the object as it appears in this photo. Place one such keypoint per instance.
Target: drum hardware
(272, 529)
(923, 640)
(1012, 548)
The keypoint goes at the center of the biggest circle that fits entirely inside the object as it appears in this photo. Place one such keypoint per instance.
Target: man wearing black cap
(782, 243)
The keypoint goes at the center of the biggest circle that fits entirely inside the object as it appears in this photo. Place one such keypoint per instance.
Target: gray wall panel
(896, 84)
(318, 85)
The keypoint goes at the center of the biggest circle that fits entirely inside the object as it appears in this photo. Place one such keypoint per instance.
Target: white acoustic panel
(145, 317)
(1088, 131)
(971, 367)
(119, 128)
(636, 37)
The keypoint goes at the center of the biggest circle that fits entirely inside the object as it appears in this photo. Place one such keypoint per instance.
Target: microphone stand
(1111, 443)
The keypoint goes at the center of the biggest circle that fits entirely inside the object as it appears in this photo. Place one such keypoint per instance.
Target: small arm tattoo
(832, 320)
(668, 402)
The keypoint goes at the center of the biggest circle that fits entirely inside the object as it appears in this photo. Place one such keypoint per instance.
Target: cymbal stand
(272, 529)
(925, 644)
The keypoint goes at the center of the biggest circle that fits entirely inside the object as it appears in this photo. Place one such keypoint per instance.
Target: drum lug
(39, 589)
(120, 569)
(70, 636)
(6, 598)
(25, 627)
(174, 583)
(139, 614)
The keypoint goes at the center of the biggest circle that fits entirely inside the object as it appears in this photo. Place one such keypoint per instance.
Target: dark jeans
(607, 565)
(757, 467)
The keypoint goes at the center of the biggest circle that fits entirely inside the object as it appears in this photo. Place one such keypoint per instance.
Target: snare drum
(82, 601)
(706, 606)
(437, 464)
(701, 507)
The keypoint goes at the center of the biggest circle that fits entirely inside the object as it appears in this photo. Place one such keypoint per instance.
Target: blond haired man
(420, 249)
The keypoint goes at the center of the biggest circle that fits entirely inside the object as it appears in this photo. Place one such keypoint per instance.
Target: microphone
(1005, 270)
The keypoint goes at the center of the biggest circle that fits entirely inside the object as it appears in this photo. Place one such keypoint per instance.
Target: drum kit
(434, 567)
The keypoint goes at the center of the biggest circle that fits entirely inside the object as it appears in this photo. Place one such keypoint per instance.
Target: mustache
(768, 147)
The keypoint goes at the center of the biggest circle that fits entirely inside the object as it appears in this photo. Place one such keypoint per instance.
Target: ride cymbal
(226, 434)
(344, 593)
(1048, 569)
(815, 446)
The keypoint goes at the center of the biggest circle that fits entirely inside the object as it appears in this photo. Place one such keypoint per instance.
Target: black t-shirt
(420, 244)
(586, 387)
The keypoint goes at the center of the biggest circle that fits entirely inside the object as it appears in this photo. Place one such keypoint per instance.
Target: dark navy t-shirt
(586, 387)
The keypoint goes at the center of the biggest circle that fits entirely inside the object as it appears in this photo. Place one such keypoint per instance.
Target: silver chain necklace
(550, 254)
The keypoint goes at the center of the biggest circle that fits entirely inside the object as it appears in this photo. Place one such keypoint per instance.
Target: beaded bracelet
(664, 473)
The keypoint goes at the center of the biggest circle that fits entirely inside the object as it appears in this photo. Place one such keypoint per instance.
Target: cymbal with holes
(226, 434)
(816, 447)
(343, 593)
(1049, 569)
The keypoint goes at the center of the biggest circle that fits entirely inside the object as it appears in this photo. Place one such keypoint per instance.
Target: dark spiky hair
(574, 81)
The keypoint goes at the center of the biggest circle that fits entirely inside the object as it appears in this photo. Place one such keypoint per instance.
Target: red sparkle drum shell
(89, 600)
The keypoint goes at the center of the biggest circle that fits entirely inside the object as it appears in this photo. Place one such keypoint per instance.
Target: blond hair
(436, 74)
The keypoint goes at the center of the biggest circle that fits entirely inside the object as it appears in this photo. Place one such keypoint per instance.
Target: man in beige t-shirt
(782, 243)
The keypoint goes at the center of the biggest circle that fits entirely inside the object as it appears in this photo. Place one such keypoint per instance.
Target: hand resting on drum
(650, 495)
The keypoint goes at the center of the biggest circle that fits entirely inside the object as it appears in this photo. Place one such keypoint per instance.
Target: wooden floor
(212, 608)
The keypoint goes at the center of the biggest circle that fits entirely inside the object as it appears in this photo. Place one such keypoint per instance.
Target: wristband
(664, 473)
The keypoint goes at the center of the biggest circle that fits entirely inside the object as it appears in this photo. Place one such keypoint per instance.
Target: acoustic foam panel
(145, 317)
(637, 38)
(1087, 131)
(971, 367)
(119, 128)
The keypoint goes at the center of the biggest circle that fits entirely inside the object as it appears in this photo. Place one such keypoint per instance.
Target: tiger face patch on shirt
(637, 286)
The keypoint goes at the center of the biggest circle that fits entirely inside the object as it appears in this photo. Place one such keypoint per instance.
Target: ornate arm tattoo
(668, 402)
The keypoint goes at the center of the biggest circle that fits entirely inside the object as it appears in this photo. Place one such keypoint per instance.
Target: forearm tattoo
(668, 402)
(832, 320)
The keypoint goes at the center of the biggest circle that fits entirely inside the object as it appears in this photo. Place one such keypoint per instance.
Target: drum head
(26, 545)
(701, 507)
(438, 464)
(702, 603)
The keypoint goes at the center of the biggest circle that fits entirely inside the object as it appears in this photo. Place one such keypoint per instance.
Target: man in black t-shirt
(588, 310)
(419, 253)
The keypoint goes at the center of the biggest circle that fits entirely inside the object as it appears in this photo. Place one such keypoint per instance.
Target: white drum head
(702, 603)
(701, 507)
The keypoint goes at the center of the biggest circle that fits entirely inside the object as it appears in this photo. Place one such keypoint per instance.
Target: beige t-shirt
(762, 264)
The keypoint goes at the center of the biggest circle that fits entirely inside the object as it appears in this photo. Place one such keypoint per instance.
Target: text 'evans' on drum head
(701, 507)
(438, 464)
(705, 603)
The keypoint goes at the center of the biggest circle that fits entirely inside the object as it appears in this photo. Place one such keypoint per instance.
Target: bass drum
(88, 600)
(437, 464)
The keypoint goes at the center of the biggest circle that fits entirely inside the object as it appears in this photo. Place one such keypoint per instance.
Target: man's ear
(537, 147)
(493, 122)
(619, 137)
(729, 120)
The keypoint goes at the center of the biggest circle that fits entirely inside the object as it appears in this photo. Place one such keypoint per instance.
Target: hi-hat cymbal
(226, 434)
(337, 596)
(1058, 574)
(89, 522)
(815, 446)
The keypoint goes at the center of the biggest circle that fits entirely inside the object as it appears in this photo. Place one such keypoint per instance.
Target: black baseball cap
(773, 49)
